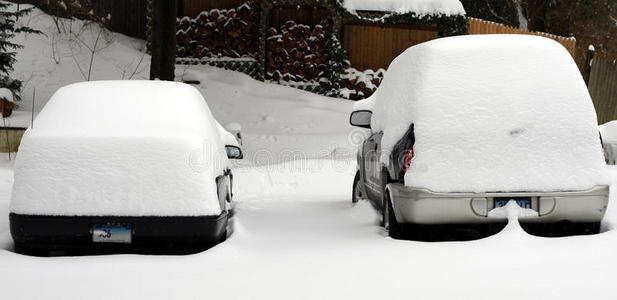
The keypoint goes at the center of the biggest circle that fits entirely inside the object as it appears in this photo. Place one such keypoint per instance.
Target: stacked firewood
(358, 85)
(230, 33)
(299, 53)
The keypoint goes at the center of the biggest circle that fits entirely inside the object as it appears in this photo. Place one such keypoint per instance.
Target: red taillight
(408, 157)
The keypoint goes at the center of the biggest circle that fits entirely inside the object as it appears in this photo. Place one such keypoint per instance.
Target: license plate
(522, 202)
(112, 233)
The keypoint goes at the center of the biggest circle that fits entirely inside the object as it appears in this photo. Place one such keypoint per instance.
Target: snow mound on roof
(491, 113)
(419, 7)
(122, 148)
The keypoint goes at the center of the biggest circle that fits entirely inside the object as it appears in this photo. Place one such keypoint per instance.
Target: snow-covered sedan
(115, 166)
(462, 125)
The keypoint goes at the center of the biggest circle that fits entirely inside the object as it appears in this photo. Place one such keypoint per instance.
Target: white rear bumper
(421, 206)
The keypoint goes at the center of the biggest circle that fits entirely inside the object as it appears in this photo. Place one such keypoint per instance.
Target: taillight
(408, 157)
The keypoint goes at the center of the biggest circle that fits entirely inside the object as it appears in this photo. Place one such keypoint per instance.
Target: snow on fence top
(479, 26)
(419, 7)
(122, 148)
(491, 113)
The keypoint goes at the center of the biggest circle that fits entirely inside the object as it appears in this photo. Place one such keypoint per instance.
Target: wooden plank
(611, 89)
(603, 89)
(374, 47)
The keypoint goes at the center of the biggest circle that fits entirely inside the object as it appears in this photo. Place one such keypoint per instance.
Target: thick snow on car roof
(115, 108)
(123, 148)
(419, 7)
(491, 113)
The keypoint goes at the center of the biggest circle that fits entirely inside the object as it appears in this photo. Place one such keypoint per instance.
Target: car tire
(586, 228)
(594, 228)
(395, 230)
(356, 191)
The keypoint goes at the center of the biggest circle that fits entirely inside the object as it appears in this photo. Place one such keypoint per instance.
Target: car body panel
(421, 206)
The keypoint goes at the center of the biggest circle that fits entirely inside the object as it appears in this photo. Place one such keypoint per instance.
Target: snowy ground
(297, 234)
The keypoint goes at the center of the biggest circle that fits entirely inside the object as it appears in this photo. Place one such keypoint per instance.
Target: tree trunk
(163, 39)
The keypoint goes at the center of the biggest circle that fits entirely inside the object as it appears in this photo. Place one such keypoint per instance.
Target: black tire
(584, 228)
(395, 230)
(356, 191)
(594, 228)
(223, 236)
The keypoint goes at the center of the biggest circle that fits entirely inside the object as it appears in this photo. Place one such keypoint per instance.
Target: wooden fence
(603, 88)
(374, 46)
(478, 26)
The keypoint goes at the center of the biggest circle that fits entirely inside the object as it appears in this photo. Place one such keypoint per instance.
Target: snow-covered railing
(479, 26)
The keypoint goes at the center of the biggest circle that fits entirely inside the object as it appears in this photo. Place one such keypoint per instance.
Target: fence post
(588, 64)
(163, 60)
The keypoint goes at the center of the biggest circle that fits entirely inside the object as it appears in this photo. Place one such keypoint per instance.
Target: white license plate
(112, 233)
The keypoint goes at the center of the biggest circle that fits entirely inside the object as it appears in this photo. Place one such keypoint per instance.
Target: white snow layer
(609, 137)
(609, 131)
(491, 113)
(122, 148)
(6, 94)
(419, 7)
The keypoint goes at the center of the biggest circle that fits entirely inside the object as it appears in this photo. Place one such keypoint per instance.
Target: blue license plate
(522, 202)
(112, 233)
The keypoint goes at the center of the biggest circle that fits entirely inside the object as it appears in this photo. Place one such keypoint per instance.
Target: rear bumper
(149, 234)
(421, 206)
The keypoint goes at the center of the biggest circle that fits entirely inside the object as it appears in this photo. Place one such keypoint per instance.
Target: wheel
(585, 228)
(395, 229)
(356, 193)
(594, 228)
(229, 228)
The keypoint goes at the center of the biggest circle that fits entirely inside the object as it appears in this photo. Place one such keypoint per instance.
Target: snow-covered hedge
(358, 85)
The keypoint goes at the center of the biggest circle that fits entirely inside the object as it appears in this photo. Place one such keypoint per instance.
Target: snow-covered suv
(462, 125)
(138, 166)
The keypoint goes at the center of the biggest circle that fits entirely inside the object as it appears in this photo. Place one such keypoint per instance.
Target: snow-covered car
(462, 125)
(115, 166)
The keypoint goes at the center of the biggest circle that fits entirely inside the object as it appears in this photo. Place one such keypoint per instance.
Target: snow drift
(491, 113)
(122, 148)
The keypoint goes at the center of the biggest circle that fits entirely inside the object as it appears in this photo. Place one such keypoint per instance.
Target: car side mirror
(233, 152)
(361, 118)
